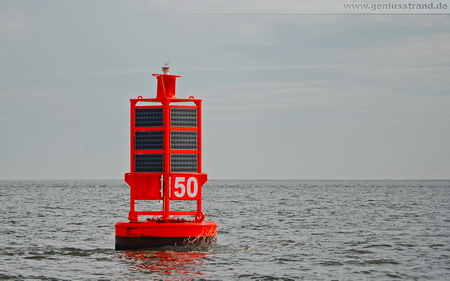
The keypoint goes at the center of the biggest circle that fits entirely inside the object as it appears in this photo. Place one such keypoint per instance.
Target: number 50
(191, 187)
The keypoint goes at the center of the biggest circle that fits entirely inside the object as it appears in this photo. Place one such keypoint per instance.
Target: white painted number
(179, 184)
(191, 187)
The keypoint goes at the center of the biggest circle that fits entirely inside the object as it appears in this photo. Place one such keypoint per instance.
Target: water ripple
(268, 230)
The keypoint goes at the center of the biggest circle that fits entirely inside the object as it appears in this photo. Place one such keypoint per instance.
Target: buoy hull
(138, 235)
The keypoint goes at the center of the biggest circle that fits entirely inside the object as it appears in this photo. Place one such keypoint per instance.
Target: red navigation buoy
(166, 166)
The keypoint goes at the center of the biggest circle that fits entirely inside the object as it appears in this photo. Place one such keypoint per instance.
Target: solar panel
(152, 140)
(183, 140)
(183, 163)
(149, 163)
(148, 117)
(183, 117)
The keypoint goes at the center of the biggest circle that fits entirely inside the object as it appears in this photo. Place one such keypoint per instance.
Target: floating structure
(166, 166)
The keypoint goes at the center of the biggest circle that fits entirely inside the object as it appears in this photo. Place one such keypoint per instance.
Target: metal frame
(159, 186)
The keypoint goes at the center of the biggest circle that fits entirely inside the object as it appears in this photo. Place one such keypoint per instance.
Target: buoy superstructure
(165, 166)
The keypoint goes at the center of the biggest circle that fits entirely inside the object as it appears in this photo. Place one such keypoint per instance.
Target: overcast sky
(291, 89)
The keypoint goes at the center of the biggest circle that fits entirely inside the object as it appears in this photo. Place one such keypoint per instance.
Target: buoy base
(138, 235)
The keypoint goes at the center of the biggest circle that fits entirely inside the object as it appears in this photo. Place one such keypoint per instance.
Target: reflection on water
(174, 264)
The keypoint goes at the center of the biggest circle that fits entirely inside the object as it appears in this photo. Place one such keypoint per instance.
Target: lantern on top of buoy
(166, 166)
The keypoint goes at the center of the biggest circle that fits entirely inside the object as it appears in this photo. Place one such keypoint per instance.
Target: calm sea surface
(268, 230)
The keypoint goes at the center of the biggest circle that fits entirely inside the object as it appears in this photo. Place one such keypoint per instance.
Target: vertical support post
(132, 213)
(199, 148)
(132, 130)
(199, 136)
(166, 124)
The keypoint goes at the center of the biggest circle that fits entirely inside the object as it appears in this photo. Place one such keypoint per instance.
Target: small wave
(256, 276)
(331, 263)
(379, 246)
(356, 251)
(374, 262)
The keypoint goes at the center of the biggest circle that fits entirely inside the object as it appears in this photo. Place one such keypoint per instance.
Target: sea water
(268, 230)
